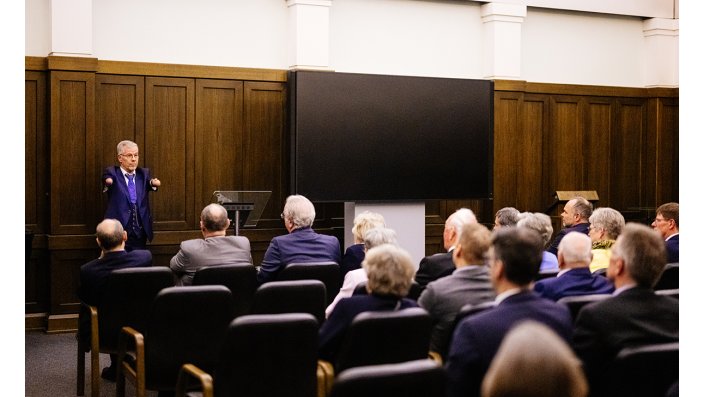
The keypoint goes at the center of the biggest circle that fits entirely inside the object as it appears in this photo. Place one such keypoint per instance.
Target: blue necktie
(131, 188)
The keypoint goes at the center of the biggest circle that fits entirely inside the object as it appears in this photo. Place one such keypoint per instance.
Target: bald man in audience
(215, 248)
(574, 277)
(575, 218)
(666, 223)
(436, 266)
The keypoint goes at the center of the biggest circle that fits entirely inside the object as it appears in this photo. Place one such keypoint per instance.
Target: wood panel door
(36, 158)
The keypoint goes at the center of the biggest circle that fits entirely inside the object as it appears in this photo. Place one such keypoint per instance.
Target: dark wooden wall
(203, 128)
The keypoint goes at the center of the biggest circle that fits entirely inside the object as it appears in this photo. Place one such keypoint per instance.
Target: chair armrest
(124, 368)
(190, 370)
(435, 357)
(325, 375)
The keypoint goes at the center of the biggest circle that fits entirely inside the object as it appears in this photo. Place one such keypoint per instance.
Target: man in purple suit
(301, 245)
(128, 186)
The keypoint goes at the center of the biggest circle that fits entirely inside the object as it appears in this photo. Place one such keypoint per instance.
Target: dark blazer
(119, 199)
(434, 267)
(477, 338)
(580, 227)
(635, 317)
(573, 282)
(672, 249)
(300, 246)
(330, 336)
(352, 260)
(94, 274)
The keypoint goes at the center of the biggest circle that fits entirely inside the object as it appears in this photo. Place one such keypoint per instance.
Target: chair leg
(80, 369)
(95, 373)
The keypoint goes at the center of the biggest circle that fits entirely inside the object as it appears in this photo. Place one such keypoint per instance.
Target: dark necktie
(131, 188)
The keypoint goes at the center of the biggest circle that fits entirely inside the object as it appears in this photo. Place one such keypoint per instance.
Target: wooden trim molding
(583, 90)
(192, 71)
(39, 64)
(74, 64)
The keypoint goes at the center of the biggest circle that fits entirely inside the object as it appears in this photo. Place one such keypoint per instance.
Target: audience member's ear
(124, 235)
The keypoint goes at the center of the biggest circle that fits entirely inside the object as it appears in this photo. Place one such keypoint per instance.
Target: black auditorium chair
(294, 296)
(546, 274)
(673, 293)
(465, 311)
(414, 291)
(326, 272)
(669, 277)
(126, 301)
(418, 378)
(575, 303)
(264, 355)
(644, 371)
(185, 325)
(241, 280)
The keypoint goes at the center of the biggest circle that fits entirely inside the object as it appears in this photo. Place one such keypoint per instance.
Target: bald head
(110, 235)
(214, 218)
(575, 250)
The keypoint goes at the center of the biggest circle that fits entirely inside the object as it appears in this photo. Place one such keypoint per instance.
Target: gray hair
(538, 222)
(643, 251)
(576, 247)
(582, 207)
(214, 217)
(124, 145)
(389, 270)
(378, 236)
(609, 220)
(300, 211)
(364, 222)
(507, 216)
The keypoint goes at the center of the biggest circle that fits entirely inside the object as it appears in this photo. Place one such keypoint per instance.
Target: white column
(661, 60)
(309, 34)
(501, 24)
(72, 28)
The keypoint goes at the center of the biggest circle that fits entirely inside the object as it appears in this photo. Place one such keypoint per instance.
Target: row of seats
(668, 279)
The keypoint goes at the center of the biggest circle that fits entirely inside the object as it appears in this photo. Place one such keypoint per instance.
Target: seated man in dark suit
(111, 238)
(469, 283)
(215, 248)
(666, 223)
(635, 316)
(436, 266)
(575, 217)
(301, 245)
(574, 278)
(514, 261)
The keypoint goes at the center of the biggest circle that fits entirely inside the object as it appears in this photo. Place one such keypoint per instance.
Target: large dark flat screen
(362, 137)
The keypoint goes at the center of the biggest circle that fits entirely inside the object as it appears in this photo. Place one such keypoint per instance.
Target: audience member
(390, 274)
(574, 277)
(605, 225)
(635, 316)
(515, 257)
(541, 224)
(111, 238)
(215, 248)
(507, 216)
(575, 217)
(373, 238)
(127, 186)
(354, 254)
(301, 245)
(440, 265)
(666, 223)
(533, 361)
(469, 283)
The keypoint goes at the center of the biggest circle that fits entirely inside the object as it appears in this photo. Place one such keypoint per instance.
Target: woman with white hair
(354, 254)
(541, 224)
(605, 225)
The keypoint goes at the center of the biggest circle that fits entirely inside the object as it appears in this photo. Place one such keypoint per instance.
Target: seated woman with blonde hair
(533, 361)
(354, 254)
(605, 225)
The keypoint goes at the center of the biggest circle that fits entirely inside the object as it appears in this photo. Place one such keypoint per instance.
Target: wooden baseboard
(61, 323)
(35, 321)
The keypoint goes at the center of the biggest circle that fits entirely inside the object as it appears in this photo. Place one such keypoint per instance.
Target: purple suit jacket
(119, 199)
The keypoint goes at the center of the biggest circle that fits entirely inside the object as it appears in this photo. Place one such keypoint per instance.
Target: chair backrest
(241, 280)
(269, 355)
(326, 272)
(186, 325)
(546, 274)
(644, 371)
(385, 337)
(673, 293)
(575, 303)
(465, 311)
(418, 378)
(414, 291)
(127, 300)
(295, 296)
(669, 278)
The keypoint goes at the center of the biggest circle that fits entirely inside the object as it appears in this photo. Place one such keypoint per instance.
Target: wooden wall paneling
(627, 154)
(36, 162)
(530, 151)
(667, 150)
(564, 158)
(265, 146)
(74, 196)
(598, 132)
(507, 126)
(119, 116)
(219, 138)
(168, 151)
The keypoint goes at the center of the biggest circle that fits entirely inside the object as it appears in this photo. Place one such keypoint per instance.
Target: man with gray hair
(301, 245)
(215, 248)
(436, 266)
(575, 218)
(507, 216)
(574, 277)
